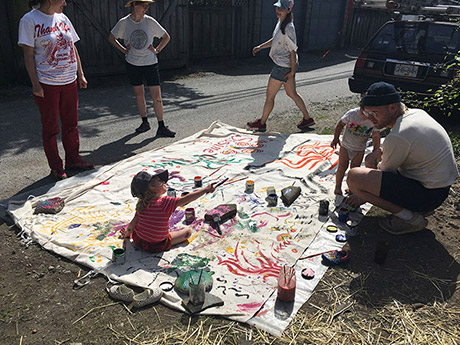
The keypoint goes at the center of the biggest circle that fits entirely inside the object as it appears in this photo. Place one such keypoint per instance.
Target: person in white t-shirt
(138, 30)
(358, 129)
(51, 59)
(410, 176)
(283, 52)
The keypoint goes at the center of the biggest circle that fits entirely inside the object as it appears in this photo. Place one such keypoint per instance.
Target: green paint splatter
(187, 260)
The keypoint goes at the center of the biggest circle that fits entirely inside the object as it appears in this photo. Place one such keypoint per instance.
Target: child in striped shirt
(149, 228)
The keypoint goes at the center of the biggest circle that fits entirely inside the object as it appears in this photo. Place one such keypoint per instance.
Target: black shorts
(138, 74)
(411, 194)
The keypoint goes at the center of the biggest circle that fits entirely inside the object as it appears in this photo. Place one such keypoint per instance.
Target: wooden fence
(362, 24)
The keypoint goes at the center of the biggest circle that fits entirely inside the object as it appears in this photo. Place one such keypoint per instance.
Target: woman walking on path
(48, 39)
(137, 30)
(283, 52)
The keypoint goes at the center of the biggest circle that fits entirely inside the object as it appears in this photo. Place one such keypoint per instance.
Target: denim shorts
(279, 72)
(138, 74)
(411, 194)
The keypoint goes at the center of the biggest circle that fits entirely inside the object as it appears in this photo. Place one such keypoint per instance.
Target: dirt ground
(417, 287)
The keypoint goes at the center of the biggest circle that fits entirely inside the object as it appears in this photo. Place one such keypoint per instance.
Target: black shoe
(165, 132)
(144, 127)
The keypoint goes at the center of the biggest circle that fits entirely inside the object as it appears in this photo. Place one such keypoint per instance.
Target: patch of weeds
(455, 139)
(327, 131)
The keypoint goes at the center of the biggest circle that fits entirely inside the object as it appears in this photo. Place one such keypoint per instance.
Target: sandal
(334, 257)
(121, 292)
(146, 297)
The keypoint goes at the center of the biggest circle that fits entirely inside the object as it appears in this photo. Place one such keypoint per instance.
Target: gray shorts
(352, 154)
(279, 72)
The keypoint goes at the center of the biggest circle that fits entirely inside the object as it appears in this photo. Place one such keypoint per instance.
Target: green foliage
(455, 140)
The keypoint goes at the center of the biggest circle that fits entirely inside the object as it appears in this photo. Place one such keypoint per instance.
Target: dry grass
(342, 321)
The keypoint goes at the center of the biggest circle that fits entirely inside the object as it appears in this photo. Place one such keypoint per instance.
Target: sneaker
(121, 292)
(58, 174)
(144, 127)
(397, 226)
(305, 123)
(81, 165)
(148, 296)
(257, 126)
(165, 132)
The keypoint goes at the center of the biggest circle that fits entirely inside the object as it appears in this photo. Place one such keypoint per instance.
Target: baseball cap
(284, 4)
(142, 179)
(380, 93)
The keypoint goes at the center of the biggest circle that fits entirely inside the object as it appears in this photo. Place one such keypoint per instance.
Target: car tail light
(361, 62)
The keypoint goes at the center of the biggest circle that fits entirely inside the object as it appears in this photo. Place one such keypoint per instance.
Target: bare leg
(140, 100)
(155, 92)
(180, 236)
(341, 168)
(272, 89)
(365, 183)
(291, 91)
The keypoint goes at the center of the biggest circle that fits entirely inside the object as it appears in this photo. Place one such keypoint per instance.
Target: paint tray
(289, 194)
(225, 211)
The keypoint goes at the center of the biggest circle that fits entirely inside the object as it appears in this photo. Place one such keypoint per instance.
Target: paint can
(198, 181)
(343, 215)
(171, 192)
(272, 199)
(118, 256)
(323, 207)
(189, 215)
(271, 190)
(249, 186)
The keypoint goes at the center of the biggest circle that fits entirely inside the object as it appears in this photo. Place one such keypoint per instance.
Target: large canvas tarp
(246, 259)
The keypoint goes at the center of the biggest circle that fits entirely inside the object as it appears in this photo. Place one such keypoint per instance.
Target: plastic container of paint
(323, 207)
(271, 190)
(171, 192)
(286, 284)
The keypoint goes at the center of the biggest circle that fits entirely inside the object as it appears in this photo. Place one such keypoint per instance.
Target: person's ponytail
(35, 3)
(289, 18)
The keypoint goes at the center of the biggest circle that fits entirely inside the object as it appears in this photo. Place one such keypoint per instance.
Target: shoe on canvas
(144, 127)
(165, 132)
(257, 126)
(398, 226)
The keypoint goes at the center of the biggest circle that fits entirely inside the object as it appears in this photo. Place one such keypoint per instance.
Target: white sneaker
(121, 292)
(148, 296)
(397, 226)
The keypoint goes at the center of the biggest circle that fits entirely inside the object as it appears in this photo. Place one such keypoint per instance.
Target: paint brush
(199, 279)
(221, 182)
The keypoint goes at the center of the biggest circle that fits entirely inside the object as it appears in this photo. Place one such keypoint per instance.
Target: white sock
(404, 214)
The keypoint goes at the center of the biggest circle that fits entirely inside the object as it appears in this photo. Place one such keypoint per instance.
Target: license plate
(406, 70)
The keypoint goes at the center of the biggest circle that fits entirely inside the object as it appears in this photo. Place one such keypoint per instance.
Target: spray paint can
(198, 181)
(118, 256)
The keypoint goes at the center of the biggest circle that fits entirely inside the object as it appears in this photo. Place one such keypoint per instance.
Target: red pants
(60, 102)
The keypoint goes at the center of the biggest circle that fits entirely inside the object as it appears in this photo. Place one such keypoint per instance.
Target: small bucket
(118, 256)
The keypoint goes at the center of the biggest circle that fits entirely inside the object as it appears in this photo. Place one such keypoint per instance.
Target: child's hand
(209, 188)
(334, 143)
(125, 233)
